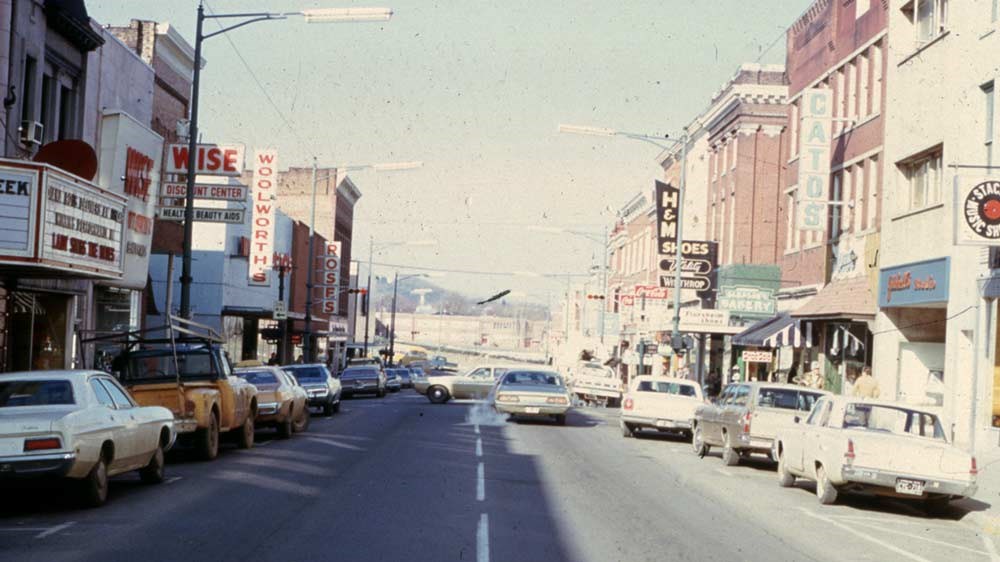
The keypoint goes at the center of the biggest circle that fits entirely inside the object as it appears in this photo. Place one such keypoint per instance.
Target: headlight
(507, 398)
(557, 400)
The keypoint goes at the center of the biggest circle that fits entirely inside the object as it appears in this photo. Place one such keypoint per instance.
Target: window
(742, 396)
(48, 96)
(793, 131)
(122, 401)
(67, 113)
(851, 97)
(101, 394)
(874, 184)
(783, 398)
(815, 414)
(887, 419)
(28, 89)
(929, 17)
(923, 174)
(861, 8)
(836, 211)
(35, 393)
(864, 108)
(876, 61)
(791, 232)
(988, 102)
(481, 372)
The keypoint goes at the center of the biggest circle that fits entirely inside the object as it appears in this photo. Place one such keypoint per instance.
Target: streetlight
(371, 253)
(675, 335)
(315, 15)
(307, 333)
(392, 319)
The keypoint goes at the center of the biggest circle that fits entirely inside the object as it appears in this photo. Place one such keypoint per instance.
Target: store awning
(843, 299)
(781, 330)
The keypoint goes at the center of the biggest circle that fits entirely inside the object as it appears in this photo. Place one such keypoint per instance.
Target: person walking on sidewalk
(866, 386)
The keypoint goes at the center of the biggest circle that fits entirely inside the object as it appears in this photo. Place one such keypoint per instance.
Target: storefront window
(37, 331)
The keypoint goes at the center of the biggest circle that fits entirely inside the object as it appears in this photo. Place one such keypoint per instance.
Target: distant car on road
(282, 402)
(747, 416)
(82, 425)
(661, 403)
(475, 384)
(393, 379)
(323, 388)
(532, 393)
(875, 446)
(365, 379)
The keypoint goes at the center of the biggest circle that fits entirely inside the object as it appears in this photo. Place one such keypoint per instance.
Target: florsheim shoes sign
(814, 159)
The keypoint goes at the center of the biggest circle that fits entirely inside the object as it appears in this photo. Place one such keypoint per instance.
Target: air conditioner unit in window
(31, 132)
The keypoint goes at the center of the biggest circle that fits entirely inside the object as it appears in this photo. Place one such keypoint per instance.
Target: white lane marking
(483, 539)
(481, 483)
(263, 443)
(919, 523)
(865, 536)
(923, 538)
(55, 529)
(477, 429)
(174, 479)
(479, 447)
(724, 472)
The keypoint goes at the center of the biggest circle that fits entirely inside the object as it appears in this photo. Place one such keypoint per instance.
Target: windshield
(667, 388)
(190, 363)
(35, 393)
(314, 373)
(532, 377)
(258, 377)
(889, 419)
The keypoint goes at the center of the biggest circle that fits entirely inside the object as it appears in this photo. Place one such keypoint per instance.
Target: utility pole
(368, 294)
(310, 273)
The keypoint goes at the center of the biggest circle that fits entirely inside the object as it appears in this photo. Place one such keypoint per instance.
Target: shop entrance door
(37, 331)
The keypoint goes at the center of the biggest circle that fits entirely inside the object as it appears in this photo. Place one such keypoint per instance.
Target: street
(400, 478)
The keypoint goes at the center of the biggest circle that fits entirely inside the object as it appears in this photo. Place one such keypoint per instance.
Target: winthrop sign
(814, 159)
(265, 178)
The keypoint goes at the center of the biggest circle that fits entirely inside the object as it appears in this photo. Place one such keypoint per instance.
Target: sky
(475, 90)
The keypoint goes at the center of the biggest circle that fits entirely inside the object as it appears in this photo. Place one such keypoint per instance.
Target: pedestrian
(274, 358)
(299, 360)
(866, 386)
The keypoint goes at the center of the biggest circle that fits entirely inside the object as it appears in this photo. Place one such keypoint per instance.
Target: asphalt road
(401, 479)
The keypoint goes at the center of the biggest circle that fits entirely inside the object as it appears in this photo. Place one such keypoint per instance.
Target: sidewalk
(985, 505)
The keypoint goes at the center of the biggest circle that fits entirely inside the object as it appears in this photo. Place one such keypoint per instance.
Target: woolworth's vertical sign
(264, 192)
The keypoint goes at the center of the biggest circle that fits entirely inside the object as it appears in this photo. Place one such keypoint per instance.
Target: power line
(470, 272)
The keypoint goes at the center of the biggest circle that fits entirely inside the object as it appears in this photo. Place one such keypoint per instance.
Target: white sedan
(662, 403)
(885, 448)
(80, 425)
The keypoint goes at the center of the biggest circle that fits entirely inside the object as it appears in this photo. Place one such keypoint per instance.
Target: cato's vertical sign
(264, 193)
(814, 159)
(331, 278)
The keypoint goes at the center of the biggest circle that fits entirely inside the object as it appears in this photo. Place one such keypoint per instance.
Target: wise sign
(209, 159)
(814, 161)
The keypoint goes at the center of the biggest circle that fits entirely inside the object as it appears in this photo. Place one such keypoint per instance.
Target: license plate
(531, 410)
(358, 383)
(664, 423)
(909, 487)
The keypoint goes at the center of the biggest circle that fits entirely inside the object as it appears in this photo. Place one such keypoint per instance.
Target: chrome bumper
(188, 425)
(268, 409)
(873, 477)
(28, 466)
(658, 423)
(536, 409)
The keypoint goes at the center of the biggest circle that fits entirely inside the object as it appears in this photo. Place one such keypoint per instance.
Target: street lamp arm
(255, 18)
(655, 141)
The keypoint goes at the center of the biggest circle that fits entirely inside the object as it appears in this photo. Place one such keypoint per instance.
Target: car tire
(730, 456)
(437, 394)
(560, 419)
(826, 492)
(698, 442)
(207, 440)
(336, 407)
(328, 409)
(95, 485)
(303, 423)
(627, 430)
(244, 434)
(285, 428)
(153, 472)
(785, 479)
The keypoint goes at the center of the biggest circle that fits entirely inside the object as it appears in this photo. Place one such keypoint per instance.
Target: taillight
(629, 404)
(849, 454)
(188, 407)
(973, 469)
(42, 444)
(556, 400)
(746, 422)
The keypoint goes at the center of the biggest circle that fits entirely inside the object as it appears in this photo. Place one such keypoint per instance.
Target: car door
(793, 445)
(713, 430)
(467, 385)
(735, 409)
(127, 436)
(814, 440)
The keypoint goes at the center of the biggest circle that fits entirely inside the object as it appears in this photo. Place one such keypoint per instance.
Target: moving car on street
(365, 379)
(81, 425)
(879, 447)
(474, 384)
(746, 417)
(594, 383)
(532, 393)
(282, 402)
(393, 379)
(661, 403)
(406, 377)
(323, 388)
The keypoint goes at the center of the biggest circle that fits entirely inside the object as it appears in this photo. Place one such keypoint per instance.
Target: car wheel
(336, 406)
(826, 492)
(95, 485)
(303, 423)
(560, 419)
(244, 435)
(437, 394)
(785, 479)
(627, 430)
(208, 440)
(328, 409)
(153, 473)
(698, 442)
(285, 428)
(730, 456)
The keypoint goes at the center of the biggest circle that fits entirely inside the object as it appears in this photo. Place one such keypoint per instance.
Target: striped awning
(795, 334)
(780, 331)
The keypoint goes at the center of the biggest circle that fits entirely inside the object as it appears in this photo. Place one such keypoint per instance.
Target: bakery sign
(55, 220)
(978, 211)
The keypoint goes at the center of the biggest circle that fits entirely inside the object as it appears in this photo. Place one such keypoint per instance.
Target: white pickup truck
(592, 382)
(884, 448)
(661, 403)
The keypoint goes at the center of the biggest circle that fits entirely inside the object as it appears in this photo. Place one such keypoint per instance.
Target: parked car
(746, 417)
(475, 384)
(661, 403)
(81, 425)
(365, 379)
(594, 383)
(880, 447)
(393, 379)
(532, 393)
(406, 377)
(282, 402)
(323, 388)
